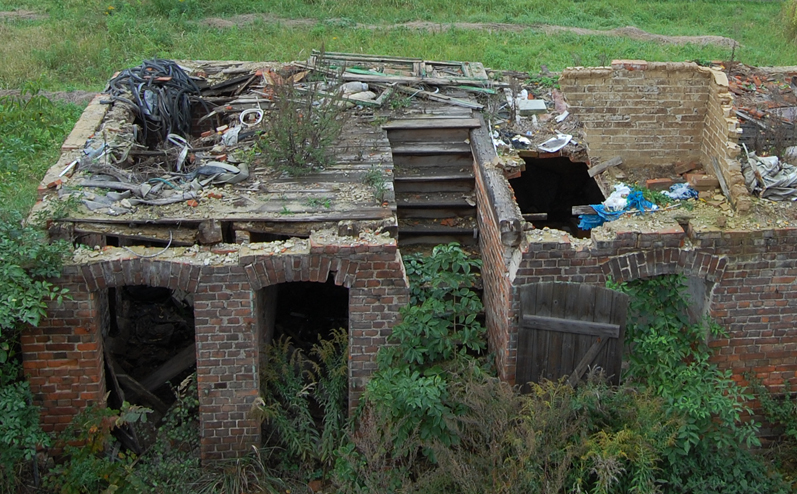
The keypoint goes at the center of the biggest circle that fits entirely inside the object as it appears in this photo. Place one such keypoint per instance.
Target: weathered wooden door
(565, 328)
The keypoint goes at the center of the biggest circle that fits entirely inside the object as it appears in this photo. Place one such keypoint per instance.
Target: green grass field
(79, 44)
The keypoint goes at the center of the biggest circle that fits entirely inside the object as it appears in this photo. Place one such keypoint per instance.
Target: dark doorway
(304, 311)
(553, 186)
(149, 345)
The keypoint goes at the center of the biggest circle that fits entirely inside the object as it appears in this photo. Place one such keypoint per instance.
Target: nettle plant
(438, 327)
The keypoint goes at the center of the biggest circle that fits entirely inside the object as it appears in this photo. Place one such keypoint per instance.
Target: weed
(293, 384)
(543, 80)
(400, 102)
(301, 130)
(315, 202)
(285, 210)
(376, 179)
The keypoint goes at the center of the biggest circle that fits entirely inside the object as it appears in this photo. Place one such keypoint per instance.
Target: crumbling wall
(720, 146)
(752, 273)
(64, 357)
(647, 113)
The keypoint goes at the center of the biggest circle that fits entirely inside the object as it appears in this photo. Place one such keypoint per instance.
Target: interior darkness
(149, 327)
(554, 186)
(304, 310)
(269, 237)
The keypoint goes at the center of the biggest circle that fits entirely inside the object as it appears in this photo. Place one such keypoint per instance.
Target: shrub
(293, 385)
(438, 326)
(301, 129)
(93, 459)
(669, 356)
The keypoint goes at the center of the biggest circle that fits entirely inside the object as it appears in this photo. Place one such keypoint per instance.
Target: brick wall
(721, 134)
(63, 357)
(751, 274)
(648, 113)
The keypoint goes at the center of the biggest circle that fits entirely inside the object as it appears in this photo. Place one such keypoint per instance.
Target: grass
(82, 43)
(78, 44)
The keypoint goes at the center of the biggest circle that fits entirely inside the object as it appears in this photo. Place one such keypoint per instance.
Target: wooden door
(565, 328)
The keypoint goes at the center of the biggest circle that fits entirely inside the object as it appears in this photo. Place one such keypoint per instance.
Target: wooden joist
(577, 210)
(173, 367)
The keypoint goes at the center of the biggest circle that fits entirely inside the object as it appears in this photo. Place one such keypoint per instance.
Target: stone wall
(63, 357)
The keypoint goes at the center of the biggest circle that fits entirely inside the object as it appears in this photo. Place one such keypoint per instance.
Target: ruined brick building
(232, 252)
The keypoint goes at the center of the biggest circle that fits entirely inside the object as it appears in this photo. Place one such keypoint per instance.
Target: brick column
(63, 356)
(227, 358)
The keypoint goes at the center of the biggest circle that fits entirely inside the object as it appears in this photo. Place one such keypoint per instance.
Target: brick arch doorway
(149, 342)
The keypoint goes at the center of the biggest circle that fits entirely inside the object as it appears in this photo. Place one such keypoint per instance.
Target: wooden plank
(439, 97)
(601, 167)
(433, 161)
(543, 346)
(577, 210)
(146, 233)
(535, 216)
(587, 360)
(604, 330)
(146, 396)
(584, 312)
(571, 305)
(432, 123)
(616, 347)
(526, 350)
(432, 148)
(171, 368)
(403, 136)
(555, 342)
(604, 312)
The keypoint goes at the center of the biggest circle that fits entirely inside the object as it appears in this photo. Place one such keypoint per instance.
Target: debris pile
(769, 178)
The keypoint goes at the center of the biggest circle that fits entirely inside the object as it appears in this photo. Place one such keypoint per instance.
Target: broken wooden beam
(601, 167)
(577, 210)
(173, 367)
(535, 216)
(135, 388)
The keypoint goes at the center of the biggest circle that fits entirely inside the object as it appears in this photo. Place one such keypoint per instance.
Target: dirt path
(77, 97)
(628, 32)
(25, 15)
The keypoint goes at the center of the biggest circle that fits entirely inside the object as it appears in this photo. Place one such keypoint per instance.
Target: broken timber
(601, 167)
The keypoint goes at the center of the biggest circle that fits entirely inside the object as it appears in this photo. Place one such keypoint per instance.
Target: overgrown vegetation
(302, 129)
(26, 260)
(304, 405)
(32, 129)
(670, 357)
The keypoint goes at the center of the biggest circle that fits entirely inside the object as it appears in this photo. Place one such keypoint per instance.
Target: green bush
(26, 261)
(670, 357)
(438, 326)
(301, 129)
(93, 460)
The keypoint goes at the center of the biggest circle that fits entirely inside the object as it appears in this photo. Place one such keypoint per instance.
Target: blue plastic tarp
(636, 201)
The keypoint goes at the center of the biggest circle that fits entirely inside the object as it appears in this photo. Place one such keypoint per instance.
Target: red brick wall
(753, 275)
(497, 285)
(63, 356)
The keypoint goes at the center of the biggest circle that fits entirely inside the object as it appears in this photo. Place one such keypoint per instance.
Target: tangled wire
(160, 93)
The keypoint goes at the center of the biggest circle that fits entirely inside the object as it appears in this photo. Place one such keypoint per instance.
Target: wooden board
(432, 123)
(567, 328)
